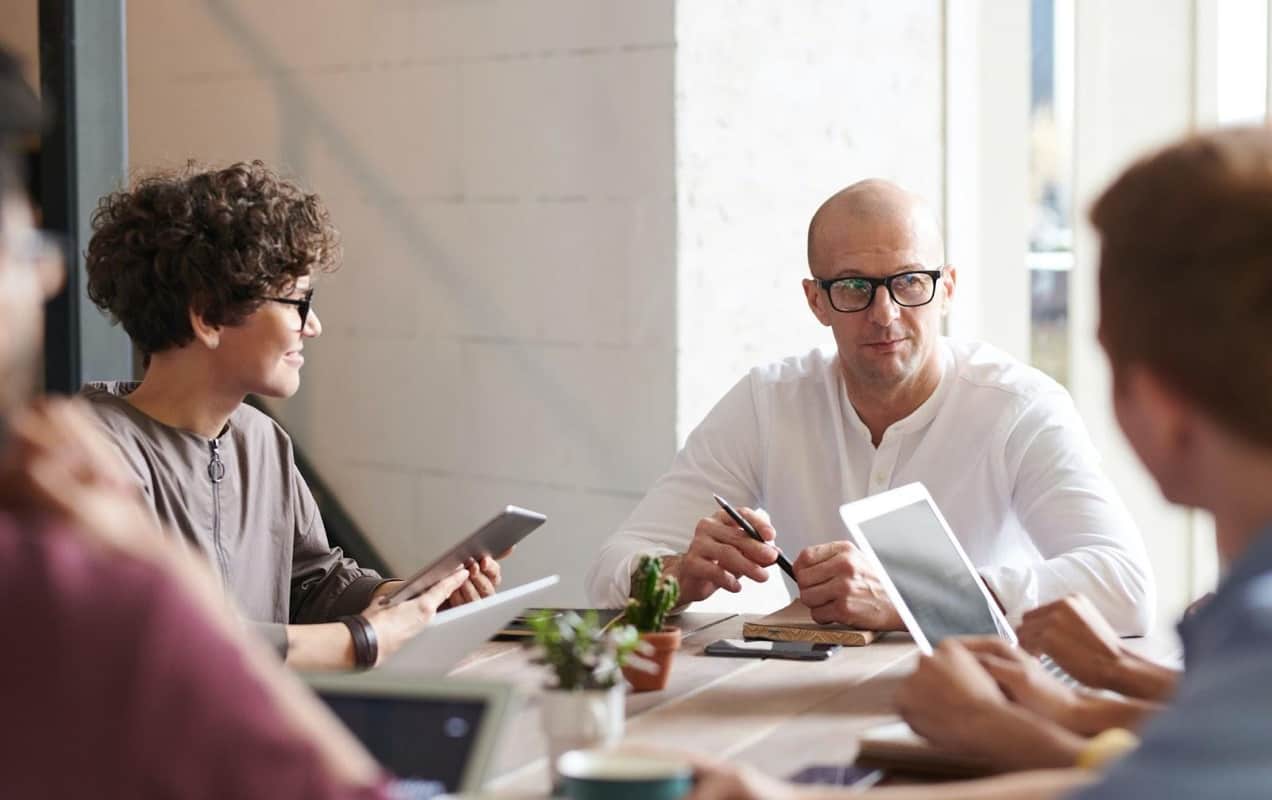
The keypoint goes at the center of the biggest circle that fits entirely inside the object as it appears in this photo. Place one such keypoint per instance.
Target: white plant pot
(573, 720)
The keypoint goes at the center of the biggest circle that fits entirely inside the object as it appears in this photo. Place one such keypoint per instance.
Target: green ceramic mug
(614, 775)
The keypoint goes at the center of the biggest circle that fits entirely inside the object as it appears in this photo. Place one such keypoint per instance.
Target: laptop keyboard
(415, 789)
(1056, 671)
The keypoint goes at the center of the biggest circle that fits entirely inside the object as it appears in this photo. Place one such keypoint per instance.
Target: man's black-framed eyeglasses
(910, 289)
(302, 304)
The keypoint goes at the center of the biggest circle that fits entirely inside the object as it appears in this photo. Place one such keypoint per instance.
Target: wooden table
(779, 716)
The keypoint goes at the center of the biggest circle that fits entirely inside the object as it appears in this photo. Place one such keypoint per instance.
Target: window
(1050, 256)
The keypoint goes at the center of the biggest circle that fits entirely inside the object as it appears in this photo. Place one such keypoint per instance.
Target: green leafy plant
(653, 595)
(582, 653)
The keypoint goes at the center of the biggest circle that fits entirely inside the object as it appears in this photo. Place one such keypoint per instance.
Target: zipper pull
(216, 467)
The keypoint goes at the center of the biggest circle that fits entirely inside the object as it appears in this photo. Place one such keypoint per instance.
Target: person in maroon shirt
(118, 688)
(125, 672)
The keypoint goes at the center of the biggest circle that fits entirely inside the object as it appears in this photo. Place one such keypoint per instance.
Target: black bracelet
(366, 646)
(373, 642)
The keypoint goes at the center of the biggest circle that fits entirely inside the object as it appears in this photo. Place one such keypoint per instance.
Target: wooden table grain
(780, 716)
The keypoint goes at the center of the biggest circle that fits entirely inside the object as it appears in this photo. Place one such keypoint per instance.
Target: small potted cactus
(653, 596)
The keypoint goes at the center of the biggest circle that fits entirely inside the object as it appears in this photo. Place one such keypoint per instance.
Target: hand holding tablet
(495, 538)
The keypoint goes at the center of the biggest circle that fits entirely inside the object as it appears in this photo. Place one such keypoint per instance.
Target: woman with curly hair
(211, 272)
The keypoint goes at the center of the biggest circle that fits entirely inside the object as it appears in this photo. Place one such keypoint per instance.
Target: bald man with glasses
(997, 443)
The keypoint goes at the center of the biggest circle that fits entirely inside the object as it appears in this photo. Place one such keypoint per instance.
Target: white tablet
(507, 528)
(936, 590)
(456, 632)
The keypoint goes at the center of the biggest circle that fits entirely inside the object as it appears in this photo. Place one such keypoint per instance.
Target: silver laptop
(436, 736)
(456, 632)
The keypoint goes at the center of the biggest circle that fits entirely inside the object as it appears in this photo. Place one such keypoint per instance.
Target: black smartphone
(839, 775)
(798, 651)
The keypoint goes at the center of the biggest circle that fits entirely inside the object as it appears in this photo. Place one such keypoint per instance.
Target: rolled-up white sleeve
(721, 456)
(1087, 539)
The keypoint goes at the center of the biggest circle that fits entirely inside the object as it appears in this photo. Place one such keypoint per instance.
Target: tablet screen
(424, 742)
(941, 592)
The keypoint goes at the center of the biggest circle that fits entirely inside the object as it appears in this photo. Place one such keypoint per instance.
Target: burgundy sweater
(112, 685)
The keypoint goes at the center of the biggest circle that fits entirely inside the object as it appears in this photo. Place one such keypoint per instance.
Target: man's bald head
(870, 216)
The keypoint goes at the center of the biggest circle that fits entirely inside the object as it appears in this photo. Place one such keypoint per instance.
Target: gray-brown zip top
(240, 501)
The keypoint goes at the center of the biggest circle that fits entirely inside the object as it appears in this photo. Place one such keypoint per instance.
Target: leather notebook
(795, 624)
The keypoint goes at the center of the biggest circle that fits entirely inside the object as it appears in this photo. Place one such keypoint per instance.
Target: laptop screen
(932, 578)
(425, 743)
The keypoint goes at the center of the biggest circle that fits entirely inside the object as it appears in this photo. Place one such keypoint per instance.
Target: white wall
(517, 315)
(778, 106)
(986, 160)
(502, 171)
(571, 224)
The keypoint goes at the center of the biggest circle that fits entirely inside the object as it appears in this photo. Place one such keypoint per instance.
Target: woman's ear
(208, 335)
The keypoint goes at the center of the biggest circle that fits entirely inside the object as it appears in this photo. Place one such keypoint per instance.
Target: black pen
(782, 561)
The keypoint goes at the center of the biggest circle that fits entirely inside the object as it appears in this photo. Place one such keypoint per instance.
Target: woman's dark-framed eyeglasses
(302, 304)
(910, 289)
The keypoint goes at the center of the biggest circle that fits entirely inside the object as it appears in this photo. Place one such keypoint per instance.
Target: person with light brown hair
(212, 274)
(1186, 321)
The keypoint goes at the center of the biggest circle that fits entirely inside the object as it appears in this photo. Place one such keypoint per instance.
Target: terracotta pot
(665, 644)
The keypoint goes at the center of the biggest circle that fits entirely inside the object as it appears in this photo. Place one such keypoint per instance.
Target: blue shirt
(1215, 738)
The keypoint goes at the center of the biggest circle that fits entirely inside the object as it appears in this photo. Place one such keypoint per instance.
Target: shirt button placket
(881, 470)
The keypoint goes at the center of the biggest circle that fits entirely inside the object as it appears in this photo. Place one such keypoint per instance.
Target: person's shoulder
(43, 558)
(106, 400)
(812, 367)
(250, 418)
(984, 369)
(259, 429)
(131, 431)
(1245, 617)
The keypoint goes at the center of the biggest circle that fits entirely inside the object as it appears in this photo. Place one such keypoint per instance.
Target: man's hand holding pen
(835, 579)
(720, 553)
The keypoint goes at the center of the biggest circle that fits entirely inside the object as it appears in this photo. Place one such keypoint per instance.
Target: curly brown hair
(213, 241)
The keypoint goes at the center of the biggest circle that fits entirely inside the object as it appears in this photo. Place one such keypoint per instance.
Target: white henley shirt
(999, 445)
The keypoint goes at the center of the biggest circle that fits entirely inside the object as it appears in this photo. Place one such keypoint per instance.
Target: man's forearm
(1138, 677)
(1095, 713)
(1005, 736)
(1032, 785)
(1039, 744)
